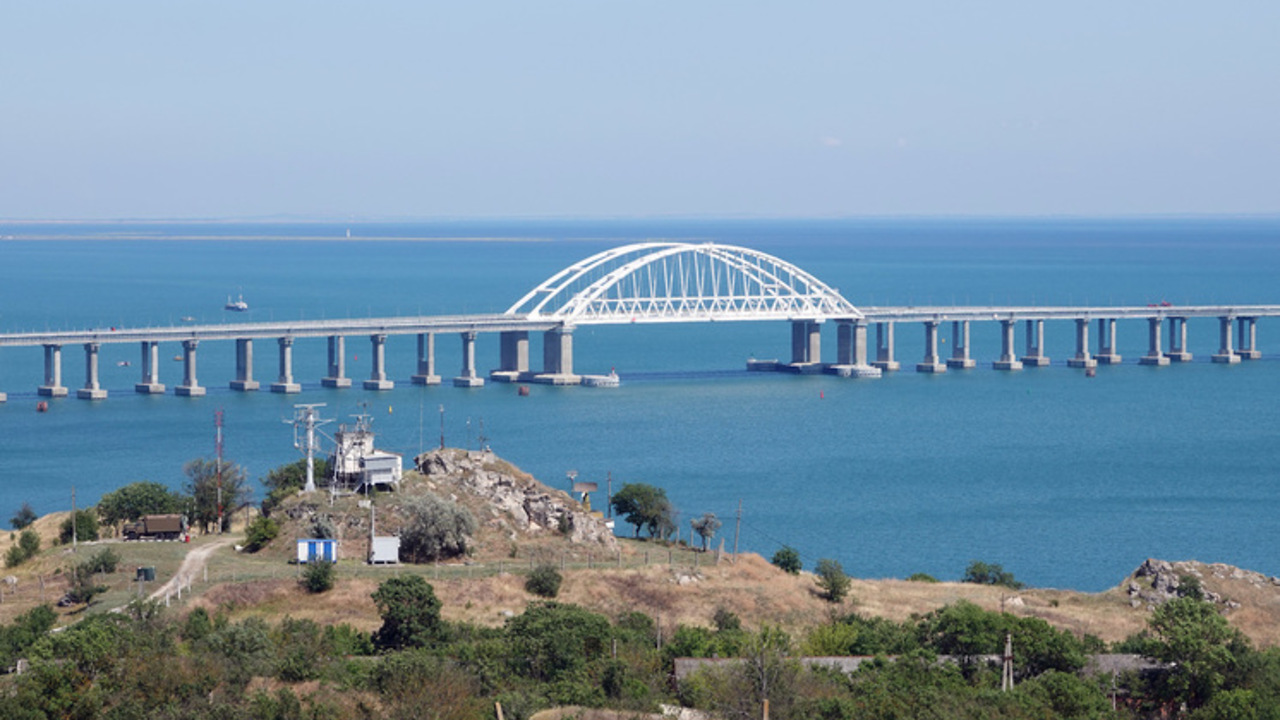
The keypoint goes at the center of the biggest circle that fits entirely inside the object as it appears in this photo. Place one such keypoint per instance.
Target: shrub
(922, 577)
(27, 546)
(410, 613)
(832, 580)
(788, 559)
(437, 529)
(260, 532)
(83, 589)
(322, 528)
(544, 581)
(105, 560)
(726, 620)
(318, 577)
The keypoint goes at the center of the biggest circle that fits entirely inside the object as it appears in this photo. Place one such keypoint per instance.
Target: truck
(156, 527)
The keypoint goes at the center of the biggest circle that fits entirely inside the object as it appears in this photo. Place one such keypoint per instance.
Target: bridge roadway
(854, 354)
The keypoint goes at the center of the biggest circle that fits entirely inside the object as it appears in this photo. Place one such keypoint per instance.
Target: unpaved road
(191, 565)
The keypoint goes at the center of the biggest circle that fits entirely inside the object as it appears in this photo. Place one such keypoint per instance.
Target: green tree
(706, 527)
(137, 499)
(1204, 648)
(410, 613)
(24, 517)
(207, 480)
(287, 480)
(981, 573)
(832, 580)
(436, 529)
(27, 546)
(787, 558)
(553, 640)
(645, 506)
(84, 587)
(86, 526)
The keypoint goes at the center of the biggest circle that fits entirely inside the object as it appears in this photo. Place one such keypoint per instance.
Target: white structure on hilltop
(357, 465)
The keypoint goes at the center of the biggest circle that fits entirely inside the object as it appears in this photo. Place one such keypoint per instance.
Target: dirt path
(191, 564)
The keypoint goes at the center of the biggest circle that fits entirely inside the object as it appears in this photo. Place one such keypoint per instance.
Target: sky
(420, 110)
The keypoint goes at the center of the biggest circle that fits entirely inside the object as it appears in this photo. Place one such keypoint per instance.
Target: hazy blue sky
(596, 108)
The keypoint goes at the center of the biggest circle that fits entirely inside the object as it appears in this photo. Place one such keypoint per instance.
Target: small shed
(316, 549)
(385, 550)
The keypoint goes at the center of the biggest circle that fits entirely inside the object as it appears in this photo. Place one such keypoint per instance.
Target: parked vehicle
(156, 527)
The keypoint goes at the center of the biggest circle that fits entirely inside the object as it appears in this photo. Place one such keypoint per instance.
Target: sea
(1066, 481)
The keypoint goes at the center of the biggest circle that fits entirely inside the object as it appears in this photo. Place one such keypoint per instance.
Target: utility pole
(1006, 675)
(441, 427)
(609, 492)
(75, 530)
(306, 416)
(737, 527)
(218, 447)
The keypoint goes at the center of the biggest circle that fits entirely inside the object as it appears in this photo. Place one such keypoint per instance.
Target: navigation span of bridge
(659, 282)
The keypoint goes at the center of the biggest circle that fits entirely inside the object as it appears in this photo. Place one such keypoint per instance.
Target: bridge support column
(1248, 340)
(884, 348)
(1008, 358)
(1082, 358)
(1154, 356)
(1226, 354)
(337, 377)
(467, 378)
(150, 383)
(1107, 342)
(244, 381)
(285, 383)
(426, 374)
(189, 387)
(851, 350)
(1035, 356)
(378, 375)
(806, 347)
(52, 386)
(91, 389)
(1178, 340)
(557, 358)
(513, 356)
(930, 363)
(960, 346)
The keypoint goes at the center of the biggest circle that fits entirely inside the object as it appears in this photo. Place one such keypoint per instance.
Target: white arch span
(681, 282)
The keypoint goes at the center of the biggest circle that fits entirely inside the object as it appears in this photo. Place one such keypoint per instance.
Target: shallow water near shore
(1067, 481)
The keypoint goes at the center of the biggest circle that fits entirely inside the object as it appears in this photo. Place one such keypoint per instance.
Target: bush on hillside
(544, 581)
(788, 559)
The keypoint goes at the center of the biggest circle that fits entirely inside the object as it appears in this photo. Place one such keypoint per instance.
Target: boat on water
(177, 358)
(237, 305)
(188, 318)
(123, 363)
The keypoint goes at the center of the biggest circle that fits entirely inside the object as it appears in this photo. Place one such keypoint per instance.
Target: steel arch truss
(681, 282)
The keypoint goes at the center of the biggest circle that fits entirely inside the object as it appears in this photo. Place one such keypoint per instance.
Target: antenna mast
(307, 417)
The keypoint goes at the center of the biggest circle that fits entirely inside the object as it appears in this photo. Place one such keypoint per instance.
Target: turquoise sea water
(1066, 481)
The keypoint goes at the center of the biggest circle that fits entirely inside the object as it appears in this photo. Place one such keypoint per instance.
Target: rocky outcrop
(1156, 581)
(515, 501)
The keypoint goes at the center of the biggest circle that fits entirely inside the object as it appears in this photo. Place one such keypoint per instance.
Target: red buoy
(42, 406)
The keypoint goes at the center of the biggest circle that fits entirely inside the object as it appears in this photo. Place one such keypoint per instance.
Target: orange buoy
(523, 391)
(42, 406)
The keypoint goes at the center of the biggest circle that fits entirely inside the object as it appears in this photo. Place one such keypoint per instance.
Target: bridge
(658, 282)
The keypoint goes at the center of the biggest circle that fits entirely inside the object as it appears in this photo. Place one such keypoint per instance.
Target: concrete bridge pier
(285, 383)
(557, 358)
(1226, 354)
(1008, 358)
(1082, 358)
(884, 348)
(1154, 356)
(513, 356)
(1178, 340)
(190, 387)
(468, 377)
(960, 346)
(1035, 356)
(378, 375)
(337, 377)
(1107, 342)
(806, 347)
(91, 389)
(930, 363)
(150, 383)
(1248, 341)
(244, 381)
(851, 350)
(426, 374)
(52, 386)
